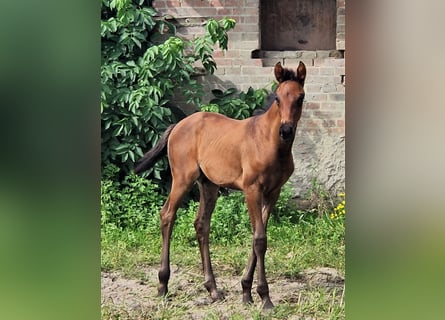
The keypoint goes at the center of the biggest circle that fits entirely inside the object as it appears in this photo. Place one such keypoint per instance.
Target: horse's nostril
(286, 131)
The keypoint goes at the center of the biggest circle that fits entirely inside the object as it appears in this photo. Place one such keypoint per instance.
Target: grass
(297, 241)
(291, 248)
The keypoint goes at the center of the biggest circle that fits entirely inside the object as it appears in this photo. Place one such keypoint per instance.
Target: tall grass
(296, 239)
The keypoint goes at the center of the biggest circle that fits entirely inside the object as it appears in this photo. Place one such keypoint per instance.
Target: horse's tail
(152, 156)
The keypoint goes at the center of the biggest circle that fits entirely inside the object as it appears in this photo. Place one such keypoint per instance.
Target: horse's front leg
(247, 280)
(255, 204)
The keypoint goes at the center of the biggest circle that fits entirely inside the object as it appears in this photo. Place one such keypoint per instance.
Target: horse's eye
(277, 100)
(300, 99)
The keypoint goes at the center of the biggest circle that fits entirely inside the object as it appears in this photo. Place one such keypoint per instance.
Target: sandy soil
(136, 298)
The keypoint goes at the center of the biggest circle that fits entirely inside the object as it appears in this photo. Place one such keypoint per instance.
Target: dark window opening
(298, 24)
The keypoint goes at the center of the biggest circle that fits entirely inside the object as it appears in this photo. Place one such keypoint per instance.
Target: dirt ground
(136, 298)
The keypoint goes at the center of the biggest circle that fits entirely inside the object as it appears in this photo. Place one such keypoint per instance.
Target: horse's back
(206, 127)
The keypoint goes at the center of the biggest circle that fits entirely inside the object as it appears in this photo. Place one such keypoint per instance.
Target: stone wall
(320, 143)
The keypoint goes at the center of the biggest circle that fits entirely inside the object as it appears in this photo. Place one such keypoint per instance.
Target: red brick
(218, 54)
(340, 70)
(316, 87)
(310, 71)
(196, 3)
(333, 106)
(220, 70)
(336, 97)
(328, 114)
(316, 96)
(173, 3)
(311, 131)
(294, 62)
(336, 131)
(310, 123)
(206, 12)
(247, 28)
(261, 79)
(232, 53)
(224, 12)
(240, 11)
(159, 4)
(202, 3)
(253, 70)
(233, 3)
(327, 71)
(254, 19)
(341, 88)
(245, 45)
(249, 36)
(311, 106)
(324, 62)
(249, 62)
(251, 3)
(233, 70)
(329, 123)
(223, 62)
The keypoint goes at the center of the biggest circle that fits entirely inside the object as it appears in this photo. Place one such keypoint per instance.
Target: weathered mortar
(320, 144)
(319, 157)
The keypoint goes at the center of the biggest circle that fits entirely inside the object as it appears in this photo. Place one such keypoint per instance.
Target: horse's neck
(271, 121)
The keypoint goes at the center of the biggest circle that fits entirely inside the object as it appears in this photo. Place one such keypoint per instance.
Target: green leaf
(230, 91)
(131, 155)
(136, 41)
(121, 148)
(217, 93)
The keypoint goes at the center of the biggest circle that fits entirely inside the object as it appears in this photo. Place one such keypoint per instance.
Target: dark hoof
(247, 299)
(162, 291)
(268, 305)
(217, 295)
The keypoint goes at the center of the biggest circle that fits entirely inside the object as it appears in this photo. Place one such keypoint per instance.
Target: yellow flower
(340, 209)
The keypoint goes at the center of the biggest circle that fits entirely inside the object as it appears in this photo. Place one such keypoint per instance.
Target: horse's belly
(222, 174)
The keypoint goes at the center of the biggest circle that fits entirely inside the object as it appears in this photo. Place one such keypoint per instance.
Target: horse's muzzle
(286, 131)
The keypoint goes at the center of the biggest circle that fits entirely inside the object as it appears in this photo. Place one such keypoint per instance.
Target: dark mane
(289, 74)
(284, 74)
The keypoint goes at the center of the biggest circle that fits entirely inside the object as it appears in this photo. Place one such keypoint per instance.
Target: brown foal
(253, 155)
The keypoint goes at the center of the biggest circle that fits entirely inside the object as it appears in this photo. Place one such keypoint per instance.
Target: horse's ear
(301, 73)
(279, 72)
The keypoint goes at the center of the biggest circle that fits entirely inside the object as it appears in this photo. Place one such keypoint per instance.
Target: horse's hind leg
(208, 196)
(168, 217)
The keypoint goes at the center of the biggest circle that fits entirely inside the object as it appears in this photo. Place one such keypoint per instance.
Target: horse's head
(289, 98)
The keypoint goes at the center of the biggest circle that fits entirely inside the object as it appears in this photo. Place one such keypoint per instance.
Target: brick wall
(319, 146)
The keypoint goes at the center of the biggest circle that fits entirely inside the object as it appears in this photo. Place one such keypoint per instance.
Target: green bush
(142, 63)
(133, 203)
(230, 221)
(236, 107)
